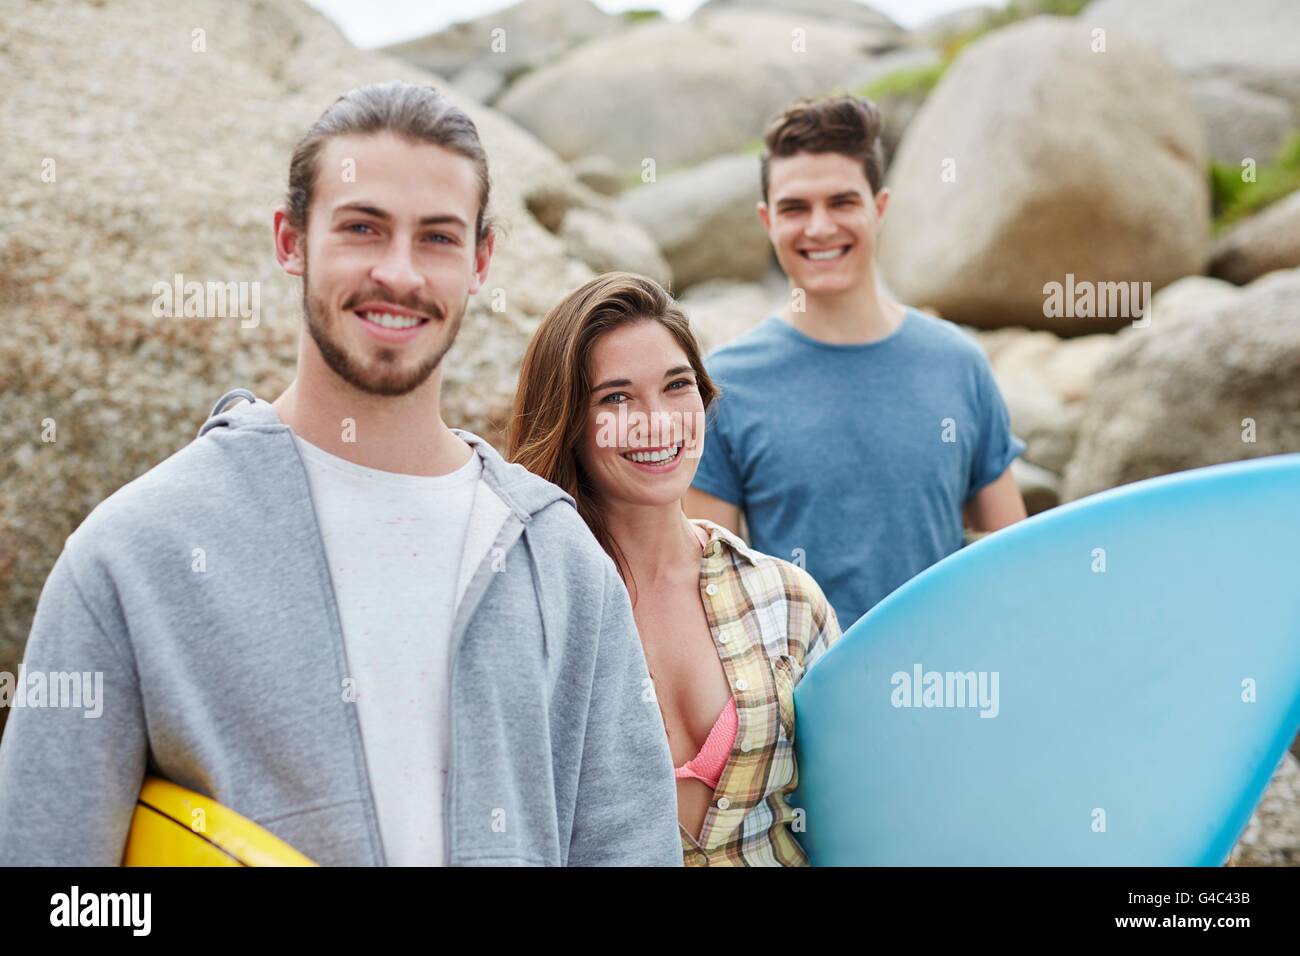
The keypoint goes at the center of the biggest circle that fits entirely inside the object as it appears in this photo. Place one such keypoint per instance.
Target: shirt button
(723, 803)
(745, 747)
(742, 684)
(711, 590)
(722, 638)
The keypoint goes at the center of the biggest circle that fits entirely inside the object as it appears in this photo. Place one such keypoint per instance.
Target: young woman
(610, 407)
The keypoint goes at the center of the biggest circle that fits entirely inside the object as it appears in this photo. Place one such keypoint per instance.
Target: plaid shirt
(770, 622)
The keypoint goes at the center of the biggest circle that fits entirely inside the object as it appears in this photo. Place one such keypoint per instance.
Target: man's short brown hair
(418, 114)
(848, 125)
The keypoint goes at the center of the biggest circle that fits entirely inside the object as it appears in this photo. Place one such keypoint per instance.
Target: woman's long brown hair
(552, 401)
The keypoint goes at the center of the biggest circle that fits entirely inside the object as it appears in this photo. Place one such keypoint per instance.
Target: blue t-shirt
(855, 460)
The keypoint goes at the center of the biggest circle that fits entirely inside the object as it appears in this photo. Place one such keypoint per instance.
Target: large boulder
(705, 220)
(1074, 167)
(485, 54)
(1203, 383)
(166, 160)
(678, 93)
(1240, 58)
(1266, 242)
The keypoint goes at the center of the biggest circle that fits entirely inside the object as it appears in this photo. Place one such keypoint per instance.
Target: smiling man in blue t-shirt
(854, 433)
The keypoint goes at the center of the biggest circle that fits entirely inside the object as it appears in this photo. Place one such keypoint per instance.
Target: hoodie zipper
(505, 541)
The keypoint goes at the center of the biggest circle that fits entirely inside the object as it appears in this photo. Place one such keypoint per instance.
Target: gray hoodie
(201, 593)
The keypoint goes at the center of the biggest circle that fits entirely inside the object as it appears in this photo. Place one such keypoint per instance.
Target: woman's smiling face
(645, 421)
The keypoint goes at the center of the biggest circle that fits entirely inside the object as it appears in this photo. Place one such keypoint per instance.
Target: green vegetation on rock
(1236, 197)
(914, 81)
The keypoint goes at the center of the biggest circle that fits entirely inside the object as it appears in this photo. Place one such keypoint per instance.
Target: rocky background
(151, 138)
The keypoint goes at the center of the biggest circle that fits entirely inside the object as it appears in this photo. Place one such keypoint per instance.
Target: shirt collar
(720, 539)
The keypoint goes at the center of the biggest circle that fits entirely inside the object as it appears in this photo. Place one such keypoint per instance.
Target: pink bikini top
(708, 764)
(712, 758)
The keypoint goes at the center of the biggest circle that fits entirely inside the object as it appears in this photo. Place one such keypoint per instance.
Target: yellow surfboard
(173, 826)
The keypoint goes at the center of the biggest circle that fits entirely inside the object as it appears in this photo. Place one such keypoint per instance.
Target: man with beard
(354, 625)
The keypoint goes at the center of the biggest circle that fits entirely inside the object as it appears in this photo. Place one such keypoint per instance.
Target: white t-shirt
(401, 552)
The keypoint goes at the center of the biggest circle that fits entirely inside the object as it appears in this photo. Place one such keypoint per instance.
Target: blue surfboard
(1111, 682)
